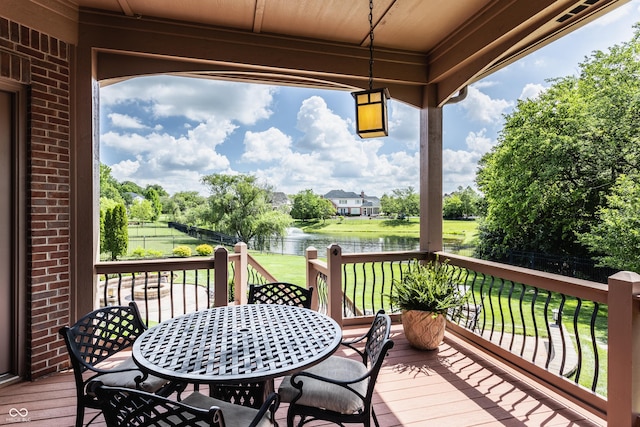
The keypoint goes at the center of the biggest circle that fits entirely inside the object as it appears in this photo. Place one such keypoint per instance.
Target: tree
(389, 205)
(158, 189)
(402, 201)
(116, 234)
(307, 205)
(108, 184)
(128, 189)
(558, 156)
(238, 205)
(142, 210)
(615, 239)
(152, 196)
(463, 203)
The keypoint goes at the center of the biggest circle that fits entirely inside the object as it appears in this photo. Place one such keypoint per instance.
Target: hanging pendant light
(371, 105)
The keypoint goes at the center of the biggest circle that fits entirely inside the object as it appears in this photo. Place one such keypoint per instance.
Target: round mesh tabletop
(237, 343)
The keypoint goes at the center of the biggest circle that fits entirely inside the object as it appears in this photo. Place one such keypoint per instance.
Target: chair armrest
(297, 382)
(270, 405)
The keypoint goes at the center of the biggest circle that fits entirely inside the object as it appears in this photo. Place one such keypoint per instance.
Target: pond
(297, 241)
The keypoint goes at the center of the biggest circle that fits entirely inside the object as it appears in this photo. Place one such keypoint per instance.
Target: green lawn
(466, 231)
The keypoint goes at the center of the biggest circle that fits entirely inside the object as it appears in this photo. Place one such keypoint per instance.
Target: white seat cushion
(321, 394)
(234, 415)
(128, 379)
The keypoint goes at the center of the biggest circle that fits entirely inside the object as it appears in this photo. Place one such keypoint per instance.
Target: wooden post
(312, 253)
(430, 172)
(241, 275)
(334, 283)
(623, 403)
(221, 277)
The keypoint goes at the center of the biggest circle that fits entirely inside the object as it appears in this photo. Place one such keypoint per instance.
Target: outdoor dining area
(274, 361)
(453, 386)
(543, 349)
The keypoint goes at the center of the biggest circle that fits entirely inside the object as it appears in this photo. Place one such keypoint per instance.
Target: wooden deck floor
(453, 386)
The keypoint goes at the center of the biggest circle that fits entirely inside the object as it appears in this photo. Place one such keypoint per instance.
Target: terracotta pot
(422, 329)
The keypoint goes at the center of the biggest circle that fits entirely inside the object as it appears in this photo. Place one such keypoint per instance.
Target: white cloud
(403, 124)
(482, 108)
(266, 146)
(194, 99)
(125, 121)
(531, 91)
(478, 142)
(177, 163)
(459, 166)
(323, 129)
(124, 169)
(329, 156)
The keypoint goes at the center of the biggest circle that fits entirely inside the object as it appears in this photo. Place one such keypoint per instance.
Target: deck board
(452, 386)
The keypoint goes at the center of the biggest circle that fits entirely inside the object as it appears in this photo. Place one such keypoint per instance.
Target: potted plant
(424, 293)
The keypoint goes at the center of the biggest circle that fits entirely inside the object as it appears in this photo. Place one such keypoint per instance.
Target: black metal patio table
(251, 343)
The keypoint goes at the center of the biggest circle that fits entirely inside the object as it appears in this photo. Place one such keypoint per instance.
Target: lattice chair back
(340, 389)
(378, 333)
(103, 333)
(98, 336)
(135, 408)
(280, 293)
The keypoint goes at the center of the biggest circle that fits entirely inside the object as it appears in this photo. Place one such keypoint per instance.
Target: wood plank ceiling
(417, 42)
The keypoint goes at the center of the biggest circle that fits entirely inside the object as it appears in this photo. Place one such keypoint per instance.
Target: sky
(172, 131)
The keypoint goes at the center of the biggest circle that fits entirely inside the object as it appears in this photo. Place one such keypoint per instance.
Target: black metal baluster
(524, 324)
(546, 322)
(578, 342)
(484, 318)
(535, 324)
(596, 357)
(562, 337)
(513, 322)
(501, 312)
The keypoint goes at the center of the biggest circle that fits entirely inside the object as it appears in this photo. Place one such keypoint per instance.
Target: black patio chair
(280, 293)
(340, 389)
(93, 340)
(123, 407)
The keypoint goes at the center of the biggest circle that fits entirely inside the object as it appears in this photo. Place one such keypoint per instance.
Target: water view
(297, 241)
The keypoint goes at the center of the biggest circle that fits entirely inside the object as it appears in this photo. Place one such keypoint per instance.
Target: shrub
(182, 251)
(146, 253)
(204, 250)
(138, 252)
(152, 253)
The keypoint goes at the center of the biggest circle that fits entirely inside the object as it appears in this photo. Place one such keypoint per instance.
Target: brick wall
(42, 63)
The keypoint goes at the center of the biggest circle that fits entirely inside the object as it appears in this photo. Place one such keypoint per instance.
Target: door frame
(18, 236)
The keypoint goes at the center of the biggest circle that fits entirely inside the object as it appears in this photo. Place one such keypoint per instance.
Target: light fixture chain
(370, 44)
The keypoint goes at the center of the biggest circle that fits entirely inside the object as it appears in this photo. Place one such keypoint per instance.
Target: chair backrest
(280, 293)
(102, 333)
(376, 348)
(377, 337)
(126, 407)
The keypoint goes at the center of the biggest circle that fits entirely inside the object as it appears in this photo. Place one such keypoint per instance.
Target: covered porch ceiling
(324, 43)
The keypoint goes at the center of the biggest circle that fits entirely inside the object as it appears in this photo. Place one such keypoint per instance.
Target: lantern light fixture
(371, 105)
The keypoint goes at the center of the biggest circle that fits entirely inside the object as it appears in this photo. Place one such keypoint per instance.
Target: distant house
(279, 200)
(348, 203)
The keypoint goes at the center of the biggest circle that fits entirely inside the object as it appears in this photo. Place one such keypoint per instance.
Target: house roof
(340, 194)
(425, 51)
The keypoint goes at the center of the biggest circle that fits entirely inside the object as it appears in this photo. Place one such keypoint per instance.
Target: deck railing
(556, 329)
(165, 288)
(580, 338)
